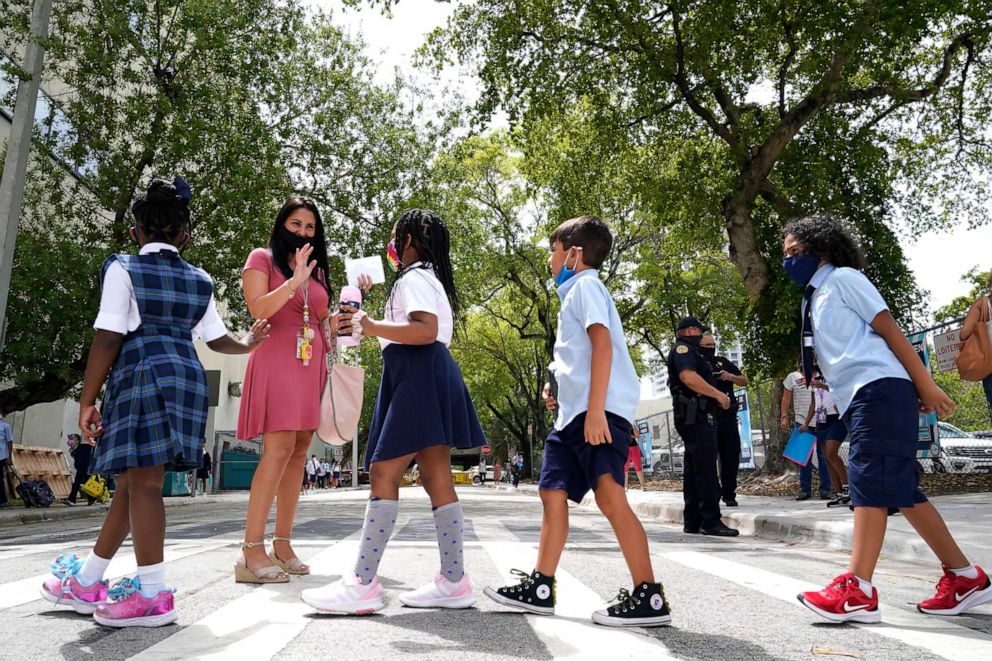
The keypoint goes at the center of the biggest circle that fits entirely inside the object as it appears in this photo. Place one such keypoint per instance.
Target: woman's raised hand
(304, 267)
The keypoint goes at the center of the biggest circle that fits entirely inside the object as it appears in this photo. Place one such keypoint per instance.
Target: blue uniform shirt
(585, 301)
(849, 351)
(6, 436)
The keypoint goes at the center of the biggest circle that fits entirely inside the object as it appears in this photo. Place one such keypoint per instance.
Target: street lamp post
(18, 149)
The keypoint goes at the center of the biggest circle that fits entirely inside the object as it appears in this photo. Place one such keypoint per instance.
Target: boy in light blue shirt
(598, 392)
(880, 387)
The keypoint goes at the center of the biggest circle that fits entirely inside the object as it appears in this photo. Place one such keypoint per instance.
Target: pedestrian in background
(633, 459)
(728, 436)
(880, 386)
(799, 393)
(971, 321)
(204, 471)
(6, 451)
(82, 454)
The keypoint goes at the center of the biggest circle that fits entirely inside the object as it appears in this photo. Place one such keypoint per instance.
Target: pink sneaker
(347, 595)
(441, 593)
(63, 588)
(129, 608)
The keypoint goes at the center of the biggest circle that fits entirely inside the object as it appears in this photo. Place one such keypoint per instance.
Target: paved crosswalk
(731, 598)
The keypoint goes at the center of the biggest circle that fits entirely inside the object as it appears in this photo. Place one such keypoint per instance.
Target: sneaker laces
(946, 583)
(625, 599)
(526, 580)
(124, 588)
(65, 567)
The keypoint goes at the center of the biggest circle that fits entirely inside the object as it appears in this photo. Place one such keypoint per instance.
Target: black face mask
(292, 242)
(694, 340)
(709, 353)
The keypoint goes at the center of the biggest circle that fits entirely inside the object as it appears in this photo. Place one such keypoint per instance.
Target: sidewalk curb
(786, 529)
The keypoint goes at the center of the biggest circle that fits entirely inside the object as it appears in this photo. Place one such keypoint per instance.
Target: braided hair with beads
(429, 237)
(161, 213)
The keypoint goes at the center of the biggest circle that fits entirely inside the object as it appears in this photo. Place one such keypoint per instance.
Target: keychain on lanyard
(304, 339)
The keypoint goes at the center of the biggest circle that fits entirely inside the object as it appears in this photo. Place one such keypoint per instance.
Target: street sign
(946, 346)
(486, 449)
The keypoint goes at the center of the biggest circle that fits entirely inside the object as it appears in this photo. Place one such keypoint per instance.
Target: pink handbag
(341, 400)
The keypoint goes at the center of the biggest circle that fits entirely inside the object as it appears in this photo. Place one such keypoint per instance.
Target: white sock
(865, 586)
(152, 579)
(968, 572)
(93, 569)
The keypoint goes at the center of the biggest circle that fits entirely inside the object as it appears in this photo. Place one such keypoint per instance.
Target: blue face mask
(801, 267)
(565, 273)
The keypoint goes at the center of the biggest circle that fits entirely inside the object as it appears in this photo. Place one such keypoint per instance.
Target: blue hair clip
(183, 189)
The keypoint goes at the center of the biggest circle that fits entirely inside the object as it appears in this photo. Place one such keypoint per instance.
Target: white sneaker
(441, 593)
(347, 595)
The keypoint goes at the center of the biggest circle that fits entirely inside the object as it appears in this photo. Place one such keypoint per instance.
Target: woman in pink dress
(287, 284)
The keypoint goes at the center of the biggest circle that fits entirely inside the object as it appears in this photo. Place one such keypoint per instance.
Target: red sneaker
(956, 594)
(843, 601)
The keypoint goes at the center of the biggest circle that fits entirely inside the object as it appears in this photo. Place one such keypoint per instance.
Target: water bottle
(352, 296)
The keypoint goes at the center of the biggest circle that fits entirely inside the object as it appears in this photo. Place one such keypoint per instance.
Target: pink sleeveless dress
(279, 393)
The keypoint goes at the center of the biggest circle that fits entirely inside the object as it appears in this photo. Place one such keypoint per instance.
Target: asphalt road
(731, 599)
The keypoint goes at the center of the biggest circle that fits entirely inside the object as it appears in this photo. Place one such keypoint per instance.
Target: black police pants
(728, 445)
(700, 488)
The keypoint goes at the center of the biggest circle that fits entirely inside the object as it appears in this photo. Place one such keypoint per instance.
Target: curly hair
(826, 237)
(161, 212)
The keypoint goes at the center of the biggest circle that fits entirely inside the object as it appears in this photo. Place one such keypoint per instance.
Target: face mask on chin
(565, 273)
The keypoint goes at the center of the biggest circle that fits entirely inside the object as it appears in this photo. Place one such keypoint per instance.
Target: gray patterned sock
(380, 517)
(450, 524)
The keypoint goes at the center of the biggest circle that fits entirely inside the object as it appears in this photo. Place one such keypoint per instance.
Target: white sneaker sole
(366, 607)
(464, 601)
(530, 608)
(606, 620)
(862, 616)
(148, 621)
(974, 599)
(81, 607)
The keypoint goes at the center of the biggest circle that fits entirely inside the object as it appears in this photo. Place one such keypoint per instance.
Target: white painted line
(257, 625)
(20, 592)
(570, 633)
(938, 635)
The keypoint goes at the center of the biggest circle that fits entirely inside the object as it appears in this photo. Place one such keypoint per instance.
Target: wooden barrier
(48, 464)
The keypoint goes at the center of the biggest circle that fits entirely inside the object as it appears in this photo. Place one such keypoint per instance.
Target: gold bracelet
(292, 292)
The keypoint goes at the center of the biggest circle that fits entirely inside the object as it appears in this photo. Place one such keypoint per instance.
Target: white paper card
(371, 266)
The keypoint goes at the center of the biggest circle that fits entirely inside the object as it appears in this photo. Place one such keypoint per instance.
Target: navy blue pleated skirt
(422, 402)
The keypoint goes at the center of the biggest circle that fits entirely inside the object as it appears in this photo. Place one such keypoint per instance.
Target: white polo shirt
(586, 301)
(419, 290)
(119, 307)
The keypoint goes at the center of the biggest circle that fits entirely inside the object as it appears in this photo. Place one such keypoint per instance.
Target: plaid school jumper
(155, 406)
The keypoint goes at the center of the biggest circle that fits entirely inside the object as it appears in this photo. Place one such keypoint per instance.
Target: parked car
(663, 461)
(490, 474)
(962, 452)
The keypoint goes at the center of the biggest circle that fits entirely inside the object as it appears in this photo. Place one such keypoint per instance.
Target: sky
(939, 260)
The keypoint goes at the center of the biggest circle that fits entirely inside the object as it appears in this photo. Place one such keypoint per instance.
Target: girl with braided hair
(154, 410)
(423, 410)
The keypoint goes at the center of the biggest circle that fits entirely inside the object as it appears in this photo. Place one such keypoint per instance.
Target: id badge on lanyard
(304, 337)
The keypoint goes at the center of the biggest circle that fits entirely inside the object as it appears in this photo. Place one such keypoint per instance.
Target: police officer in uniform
(696, 400)
(728, 437)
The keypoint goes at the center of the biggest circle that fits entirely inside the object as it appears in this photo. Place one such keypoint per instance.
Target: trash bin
(237, 469)
(176, 484)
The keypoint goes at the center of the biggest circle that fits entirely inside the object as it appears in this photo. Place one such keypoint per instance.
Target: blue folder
(799, 449)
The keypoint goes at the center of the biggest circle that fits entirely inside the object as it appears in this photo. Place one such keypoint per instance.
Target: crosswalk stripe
(569, 633)
(933, 633)
(20, 592)
(256, 625)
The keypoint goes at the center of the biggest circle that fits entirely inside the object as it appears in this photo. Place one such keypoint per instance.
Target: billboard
(744, 428)
(928, 442)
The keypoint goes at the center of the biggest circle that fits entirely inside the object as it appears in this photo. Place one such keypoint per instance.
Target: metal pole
(19, 148)
(354, 462)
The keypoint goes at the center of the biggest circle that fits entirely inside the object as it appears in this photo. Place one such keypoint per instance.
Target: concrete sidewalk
(969, 517)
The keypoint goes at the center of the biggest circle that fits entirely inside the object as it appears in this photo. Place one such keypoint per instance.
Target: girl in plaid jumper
(154, 409)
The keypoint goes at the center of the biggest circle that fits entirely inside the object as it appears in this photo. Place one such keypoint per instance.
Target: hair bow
(182, 189)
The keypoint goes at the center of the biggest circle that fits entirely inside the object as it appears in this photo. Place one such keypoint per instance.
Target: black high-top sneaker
(535, 593)
(645, 606)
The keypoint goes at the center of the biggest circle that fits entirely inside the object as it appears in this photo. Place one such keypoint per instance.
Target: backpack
(35, 493)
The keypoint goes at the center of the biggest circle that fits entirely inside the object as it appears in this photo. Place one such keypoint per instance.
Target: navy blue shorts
(836, 431)
(883, 420)
(573, 466)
